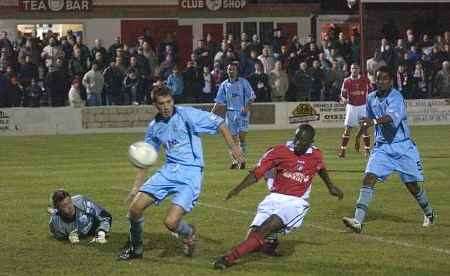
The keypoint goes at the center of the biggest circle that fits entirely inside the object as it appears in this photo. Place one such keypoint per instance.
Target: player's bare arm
(249, 180)
(333, 189)
(235, 149)
(343, 97)
(358, 139)
(138, 181)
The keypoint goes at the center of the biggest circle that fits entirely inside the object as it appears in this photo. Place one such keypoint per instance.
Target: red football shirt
(293, 174)
(355, 90)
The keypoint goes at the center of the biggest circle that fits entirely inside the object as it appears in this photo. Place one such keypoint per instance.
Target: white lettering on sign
(55, 5)
(234, 4)
(192, 4)
(213, 5)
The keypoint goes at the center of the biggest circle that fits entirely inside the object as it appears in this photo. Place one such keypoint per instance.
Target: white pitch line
(364, 236)
(332, 230)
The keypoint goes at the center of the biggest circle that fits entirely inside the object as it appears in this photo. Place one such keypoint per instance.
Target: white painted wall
(67, 120)
(10, 26)
(105, 29)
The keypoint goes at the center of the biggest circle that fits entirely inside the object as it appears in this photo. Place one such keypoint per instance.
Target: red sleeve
(267, 161)
(320, 162)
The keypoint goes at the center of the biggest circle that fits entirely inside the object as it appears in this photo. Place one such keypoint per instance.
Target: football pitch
(392, 243)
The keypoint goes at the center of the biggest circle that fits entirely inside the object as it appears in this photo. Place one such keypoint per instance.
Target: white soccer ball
(142, 154)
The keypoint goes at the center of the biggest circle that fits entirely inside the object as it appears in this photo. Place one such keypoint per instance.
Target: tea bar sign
(55, 5)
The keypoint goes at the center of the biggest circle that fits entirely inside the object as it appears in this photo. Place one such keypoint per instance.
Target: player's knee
(369, 180)
(171, 223)
(250, 229)
(135, 212)
(254, 229)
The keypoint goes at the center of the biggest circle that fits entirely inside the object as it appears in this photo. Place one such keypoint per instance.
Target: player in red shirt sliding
(293, 167)
(354, 95)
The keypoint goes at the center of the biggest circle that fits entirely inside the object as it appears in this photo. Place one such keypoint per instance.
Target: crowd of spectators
(420, 63)
(60, 71)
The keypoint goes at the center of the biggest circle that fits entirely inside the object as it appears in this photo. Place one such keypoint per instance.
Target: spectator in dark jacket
(33, 94)
(98, 48)
(14, 92)
(193, 82)
(77, 67)
(260, 84)
(131, 86)
(27, 72)
(58, 84)
(318, 81)
(113, 78)
(302, 83)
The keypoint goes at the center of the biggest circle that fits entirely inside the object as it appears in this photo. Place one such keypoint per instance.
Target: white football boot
(353, 224)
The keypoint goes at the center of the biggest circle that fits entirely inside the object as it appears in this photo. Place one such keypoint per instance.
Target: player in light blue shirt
(177, 130)
(394, 150)
(236, 94)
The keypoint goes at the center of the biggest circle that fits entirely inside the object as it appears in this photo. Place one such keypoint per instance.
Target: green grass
(393, 242)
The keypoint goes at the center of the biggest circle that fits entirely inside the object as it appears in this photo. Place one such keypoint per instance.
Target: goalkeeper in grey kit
(77, 216)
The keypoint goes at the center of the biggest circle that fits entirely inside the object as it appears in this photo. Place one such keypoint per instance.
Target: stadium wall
(286, 115)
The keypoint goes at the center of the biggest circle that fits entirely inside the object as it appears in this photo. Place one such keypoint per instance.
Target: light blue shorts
(402, 157)
(183, 183)
(237, 122)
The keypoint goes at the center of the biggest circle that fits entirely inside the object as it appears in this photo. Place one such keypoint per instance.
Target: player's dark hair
(58, 196)
(305, 128)
(387, 70)
(160, 91)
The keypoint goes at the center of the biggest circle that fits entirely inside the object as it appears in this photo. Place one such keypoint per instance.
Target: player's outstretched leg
(189, 239)
(353, 224)
(362, 204)
(133, 249)
(254, 242)
(234, 163)
(187, 232)
(270, 245)
(418, 192)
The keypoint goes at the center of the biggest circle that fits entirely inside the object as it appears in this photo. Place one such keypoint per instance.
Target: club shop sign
(213, 5)
(55, 5)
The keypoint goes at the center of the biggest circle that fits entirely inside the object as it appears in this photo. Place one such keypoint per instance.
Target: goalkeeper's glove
(73, 237)
(100, 237)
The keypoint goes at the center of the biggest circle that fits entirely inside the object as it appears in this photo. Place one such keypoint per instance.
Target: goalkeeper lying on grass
(77, 216)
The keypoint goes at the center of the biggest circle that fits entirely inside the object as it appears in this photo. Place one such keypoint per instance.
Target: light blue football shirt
(393, 105)
(180, 134)
(235, 94)
(88, 214)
